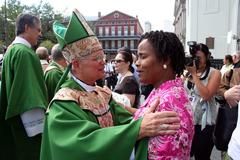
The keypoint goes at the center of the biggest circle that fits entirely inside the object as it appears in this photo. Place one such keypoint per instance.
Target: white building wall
(147, 26)
(168, 26)
(212, 18)
(233, 8)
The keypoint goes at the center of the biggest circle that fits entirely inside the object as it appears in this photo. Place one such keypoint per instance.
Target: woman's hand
(192, 70)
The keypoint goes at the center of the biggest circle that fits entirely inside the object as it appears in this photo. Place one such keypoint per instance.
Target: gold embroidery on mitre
(82, 48)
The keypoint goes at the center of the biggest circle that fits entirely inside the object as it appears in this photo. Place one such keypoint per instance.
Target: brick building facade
(116, 30)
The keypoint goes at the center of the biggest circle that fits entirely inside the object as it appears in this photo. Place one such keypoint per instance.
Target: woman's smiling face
(148, 65)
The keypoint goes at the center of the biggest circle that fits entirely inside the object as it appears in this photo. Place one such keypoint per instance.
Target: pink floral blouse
(173, 97)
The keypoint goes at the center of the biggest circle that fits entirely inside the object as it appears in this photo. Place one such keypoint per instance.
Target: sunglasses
(117, 61)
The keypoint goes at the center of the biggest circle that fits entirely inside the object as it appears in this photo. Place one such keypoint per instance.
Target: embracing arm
(69, 129)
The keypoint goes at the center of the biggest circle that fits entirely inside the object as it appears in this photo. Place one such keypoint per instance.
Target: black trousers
(202, 143)
(15, 144)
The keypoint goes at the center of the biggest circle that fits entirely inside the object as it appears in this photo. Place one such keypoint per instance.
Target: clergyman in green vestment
(23, 94)
(54, 71)
(83, 121)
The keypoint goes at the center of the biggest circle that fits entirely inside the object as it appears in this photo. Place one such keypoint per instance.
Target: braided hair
(167, 46)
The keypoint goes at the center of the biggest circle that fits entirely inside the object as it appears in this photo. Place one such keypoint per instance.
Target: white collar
(21, 41)
(85, 86)
(43, 61)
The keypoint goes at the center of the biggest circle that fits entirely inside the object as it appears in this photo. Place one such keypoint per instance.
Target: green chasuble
(52, 75)
(74, 133)
(22, 89)
(23, 86)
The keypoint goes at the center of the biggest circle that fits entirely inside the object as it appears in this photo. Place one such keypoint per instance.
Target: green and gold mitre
(77, 39)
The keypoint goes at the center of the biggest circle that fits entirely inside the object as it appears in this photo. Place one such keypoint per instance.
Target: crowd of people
(51, 107)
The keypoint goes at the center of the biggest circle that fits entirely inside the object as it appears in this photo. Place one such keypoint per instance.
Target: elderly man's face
(91, 68)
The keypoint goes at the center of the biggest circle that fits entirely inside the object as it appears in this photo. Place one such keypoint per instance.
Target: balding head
(56, 53)
(42, 53)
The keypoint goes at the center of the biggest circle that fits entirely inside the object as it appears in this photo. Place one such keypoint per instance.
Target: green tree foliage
(2, 47)
(13, 8)
(48, 44)
(44, 10)
(47, 16)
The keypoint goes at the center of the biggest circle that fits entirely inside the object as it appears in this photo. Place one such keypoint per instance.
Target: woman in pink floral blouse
(160, 63)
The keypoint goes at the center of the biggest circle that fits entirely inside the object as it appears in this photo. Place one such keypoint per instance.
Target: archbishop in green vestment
(83, 122)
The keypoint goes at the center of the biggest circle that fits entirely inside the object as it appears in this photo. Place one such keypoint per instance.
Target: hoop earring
(164, 66)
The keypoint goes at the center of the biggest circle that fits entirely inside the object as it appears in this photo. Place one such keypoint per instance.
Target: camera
(192, 47)
(193, 59)
(189, 61)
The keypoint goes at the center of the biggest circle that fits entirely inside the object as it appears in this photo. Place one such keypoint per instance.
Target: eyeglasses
(98, 58)
(117, 60)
